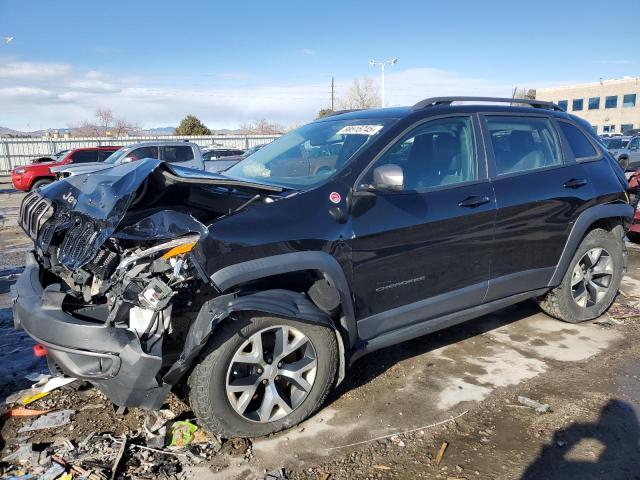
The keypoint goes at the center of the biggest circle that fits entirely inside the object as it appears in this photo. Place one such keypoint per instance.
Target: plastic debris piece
(53, 472)
(22, 455)
(32, 398)
(25, 412)
(39, 351)
(57, 382)
(537, 406)
(181, 433)
(50, 420)
(156, 420)
(278, 474)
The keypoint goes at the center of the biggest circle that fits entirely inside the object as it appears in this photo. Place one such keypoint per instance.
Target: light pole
(373, 63)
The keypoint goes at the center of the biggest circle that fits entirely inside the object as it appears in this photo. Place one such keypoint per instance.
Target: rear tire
(220, 370)
(592, 279)
(40, 183)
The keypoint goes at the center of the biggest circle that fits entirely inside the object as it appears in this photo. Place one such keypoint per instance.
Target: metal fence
(20, 151)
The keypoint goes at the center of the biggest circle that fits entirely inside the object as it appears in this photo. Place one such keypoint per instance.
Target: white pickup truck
(185, 154)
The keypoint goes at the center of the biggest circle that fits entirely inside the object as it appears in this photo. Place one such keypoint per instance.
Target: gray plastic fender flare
(284, 303)
(243, 272)
(583, 222)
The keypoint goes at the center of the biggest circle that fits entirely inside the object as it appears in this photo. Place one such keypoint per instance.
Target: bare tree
(104, 119)
(105, 124)
(122, 127)
(362, 93)
(524, 93)
(262, 127)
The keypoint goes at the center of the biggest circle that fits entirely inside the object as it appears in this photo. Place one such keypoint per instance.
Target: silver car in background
(186, 154)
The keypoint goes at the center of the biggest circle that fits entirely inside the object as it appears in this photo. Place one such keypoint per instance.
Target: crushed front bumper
(109, 357)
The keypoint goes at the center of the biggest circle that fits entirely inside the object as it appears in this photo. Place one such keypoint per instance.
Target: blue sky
(152, 62)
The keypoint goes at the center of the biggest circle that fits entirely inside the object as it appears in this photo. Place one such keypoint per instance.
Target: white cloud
(33, 70)
(308, 51)
(405, 87)
(57, 95)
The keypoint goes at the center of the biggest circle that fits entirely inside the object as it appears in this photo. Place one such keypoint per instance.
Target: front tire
(259, 375)
(591, 282)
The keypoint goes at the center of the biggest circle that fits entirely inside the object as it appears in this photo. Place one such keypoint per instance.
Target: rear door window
(177, 153)
(523, 143)
(86, 156)
(579, 143)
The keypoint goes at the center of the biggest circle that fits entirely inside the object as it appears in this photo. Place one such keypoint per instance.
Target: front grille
(57, 222)
(104, 264)
(35, 210)
(78, 244)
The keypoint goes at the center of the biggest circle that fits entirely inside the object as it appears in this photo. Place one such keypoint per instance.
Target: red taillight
(39, 351)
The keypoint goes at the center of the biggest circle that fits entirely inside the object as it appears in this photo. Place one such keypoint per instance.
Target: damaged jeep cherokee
(260, 286)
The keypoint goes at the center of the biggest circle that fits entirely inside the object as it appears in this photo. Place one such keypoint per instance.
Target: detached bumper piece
(109, 357)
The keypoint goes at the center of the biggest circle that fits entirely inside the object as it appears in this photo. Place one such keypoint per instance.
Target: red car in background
(634, 230)
(27, 177)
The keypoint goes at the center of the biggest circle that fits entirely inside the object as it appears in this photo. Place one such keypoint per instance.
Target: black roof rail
(435, 101)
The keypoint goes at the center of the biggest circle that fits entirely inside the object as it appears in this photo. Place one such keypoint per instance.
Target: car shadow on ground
(373, 365)
(608, 448)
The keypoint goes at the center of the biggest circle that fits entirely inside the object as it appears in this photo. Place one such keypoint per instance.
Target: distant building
(611, 106)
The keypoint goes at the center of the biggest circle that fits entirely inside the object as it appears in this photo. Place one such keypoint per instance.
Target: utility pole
(373, 63)
(333, 94)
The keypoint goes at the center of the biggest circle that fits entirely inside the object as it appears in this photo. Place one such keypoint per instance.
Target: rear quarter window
(580, 145)
(178, 153)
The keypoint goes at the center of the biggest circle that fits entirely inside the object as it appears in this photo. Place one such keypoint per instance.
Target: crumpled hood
(103, 195)
(91, 206)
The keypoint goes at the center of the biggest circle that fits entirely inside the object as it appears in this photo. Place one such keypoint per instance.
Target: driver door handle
(575, 183)
(474, 201)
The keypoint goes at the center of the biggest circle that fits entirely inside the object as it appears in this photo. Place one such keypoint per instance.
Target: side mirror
(388, 177)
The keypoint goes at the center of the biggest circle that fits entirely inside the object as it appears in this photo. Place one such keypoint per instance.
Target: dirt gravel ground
(588, 374)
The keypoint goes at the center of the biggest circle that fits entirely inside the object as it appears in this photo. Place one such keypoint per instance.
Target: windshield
(115, 156)
(308, 155)
(60, 155)
(616, 143)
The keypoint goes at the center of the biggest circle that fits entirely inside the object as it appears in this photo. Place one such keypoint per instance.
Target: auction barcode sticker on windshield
(360, 130)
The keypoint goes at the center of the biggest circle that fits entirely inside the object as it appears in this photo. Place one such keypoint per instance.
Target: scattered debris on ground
(537, 406)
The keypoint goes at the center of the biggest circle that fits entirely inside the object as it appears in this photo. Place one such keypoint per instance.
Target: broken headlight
(169, 250)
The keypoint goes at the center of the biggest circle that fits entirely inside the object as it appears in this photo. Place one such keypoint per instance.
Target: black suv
(349, 234)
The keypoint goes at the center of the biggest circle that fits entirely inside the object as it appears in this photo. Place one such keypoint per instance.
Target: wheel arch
(606, 216)
(280, 302)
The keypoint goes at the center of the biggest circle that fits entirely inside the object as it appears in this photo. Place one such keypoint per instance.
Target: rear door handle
(473, 201)
(575, 183)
